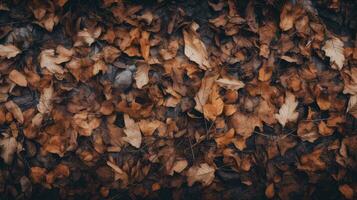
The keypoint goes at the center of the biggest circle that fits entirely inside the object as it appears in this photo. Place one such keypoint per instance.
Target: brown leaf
(148, 127)
(87, 36)
(230, 84)
(352, 106)
(18, 78)
(45, 103)
(15, 111)
(346, 191)
(9, 51)
(202, 95)
(245, 124)
(51, 61)
(132, 131)
(333, 48)
(145, 45)
(312, 162)
(287, 111)
(8, 148)
(142, 75)
(214, 105)
(269, 191)
(195, 49)
(225, 139)
(202, 173)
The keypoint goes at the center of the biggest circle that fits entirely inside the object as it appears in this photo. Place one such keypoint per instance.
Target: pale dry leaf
(15, 111)
(45, 103)
(142, 75)
(8, 148)
(202, 173)
(179, 166)
(195, 49)
(9, 51)
(205, 91)
(51, 61)
(333, 48)
(132, 131)
(230, 84)
(245, 124)
(87, 36)
(119, 173)
(352, 106)
(148, 127)
(287, 111)
(18, 78)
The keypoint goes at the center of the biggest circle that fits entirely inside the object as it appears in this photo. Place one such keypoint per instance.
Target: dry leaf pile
(217, 99)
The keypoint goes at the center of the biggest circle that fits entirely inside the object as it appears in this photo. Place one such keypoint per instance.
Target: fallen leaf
(9, 51)
(202, 173)
(195, 49)
(87, 36)
(225, 139)
(352, 106)
(8, 148)
(148, 127)
(51, 61)
(230, 84)
(37, 174)
(145, 45)
(179, 166)
(312, 162)
(214, 105)
(205, 90)
(142, 75)
(132, 131)
(334, 49)
(18, 78)
(45, 103)
(269, 191)
(15, 111)
(244, 124)
(287, 111)
(346, 191)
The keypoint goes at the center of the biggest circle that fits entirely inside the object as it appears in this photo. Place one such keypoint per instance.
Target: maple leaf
(8, 148)
(132, 131)
(334, 49)
(287, 111)
(202, 173)
(18, 78)
(195, 49)
(8, 51)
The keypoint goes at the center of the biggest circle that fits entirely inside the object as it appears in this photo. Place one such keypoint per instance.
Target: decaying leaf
(287, 111)
(132, 131)
(334, 50)
(202, 173)
(195, 49)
